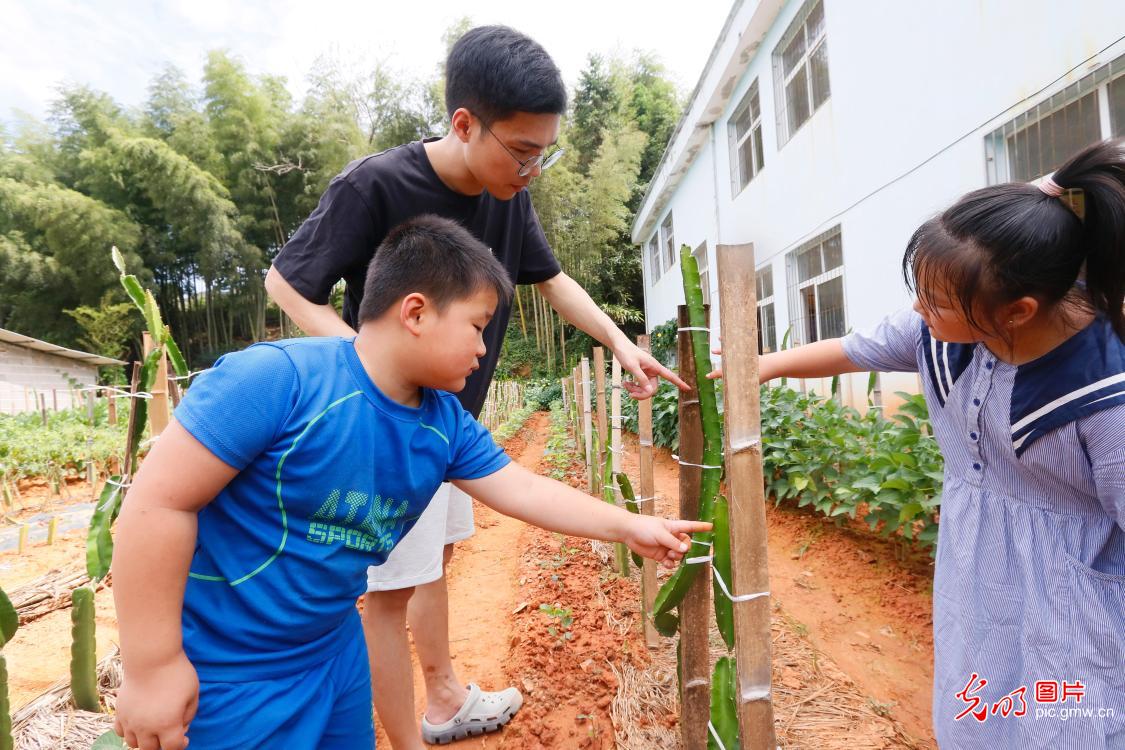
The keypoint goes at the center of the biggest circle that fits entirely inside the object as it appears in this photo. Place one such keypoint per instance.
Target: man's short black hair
(495, 72)
(435, 257)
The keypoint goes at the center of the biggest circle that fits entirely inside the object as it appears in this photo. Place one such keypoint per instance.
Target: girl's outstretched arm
(821, 359)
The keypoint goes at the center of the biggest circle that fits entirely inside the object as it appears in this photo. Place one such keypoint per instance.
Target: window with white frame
(701, 259)
(815, 271)
(747, 156)
(767, 321)
(668, 240)
(1038, 141)
(800, 70)
(652, 253)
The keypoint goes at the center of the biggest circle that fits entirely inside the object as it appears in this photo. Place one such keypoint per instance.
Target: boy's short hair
(495, 71)
(433, 256)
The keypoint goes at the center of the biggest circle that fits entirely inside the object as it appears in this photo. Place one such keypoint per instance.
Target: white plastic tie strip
(715, 736)
(189, 376)
(694, 328)
(119, 392)
(732, 597)
(637, 502)
(723, 584)
(689, 463)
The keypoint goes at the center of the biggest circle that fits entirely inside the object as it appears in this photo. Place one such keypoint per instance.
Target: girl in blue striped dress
(1018, 334)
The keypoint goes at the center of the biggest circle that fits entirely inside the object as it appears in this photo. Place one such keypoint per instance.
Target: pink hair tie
(1051, 188)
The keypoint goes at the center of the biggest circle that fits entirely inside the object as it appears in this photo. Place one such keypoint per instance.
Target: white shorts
(417, 558)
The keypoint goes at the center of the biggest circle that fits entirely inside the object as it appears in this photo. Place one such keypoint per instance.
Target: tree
(108, 328)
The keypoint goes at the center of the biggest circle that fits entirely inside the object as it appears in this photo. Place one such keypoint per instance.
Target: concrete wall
(25, 373)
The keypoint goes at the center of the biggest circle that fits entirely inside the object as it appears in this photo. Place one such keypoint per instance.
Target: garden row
(820, 453)
(63, 448)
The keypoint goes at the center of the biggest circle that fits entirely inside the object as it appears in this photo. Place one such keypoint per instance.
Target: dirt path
(853, 600)
(483, 587)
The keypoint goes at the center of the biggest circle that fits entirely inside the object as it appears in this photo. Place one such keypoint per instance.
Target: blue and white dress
(1029, 588)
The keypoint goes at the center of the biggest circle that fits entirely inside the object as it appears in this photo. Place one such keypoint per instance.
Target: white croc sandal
(482, 712)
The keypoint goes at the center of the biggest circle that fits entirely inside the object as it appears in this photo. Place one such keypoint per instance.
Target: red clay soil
(870, 612)
(499, 636)
(856, 602)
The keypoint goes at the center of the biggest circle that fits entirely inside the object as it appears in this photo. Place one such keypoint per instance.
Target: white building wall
(694, 221)
(910, 82)
(26, 373)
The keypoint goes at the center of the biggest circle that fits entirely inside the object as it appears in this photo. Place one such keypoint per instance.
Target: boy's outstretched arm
(821, 359)
(519, 493)
(155, 540)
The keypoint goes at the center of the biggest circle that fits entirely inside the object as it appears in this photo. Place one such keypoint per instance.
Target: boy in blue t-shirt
(294, 465)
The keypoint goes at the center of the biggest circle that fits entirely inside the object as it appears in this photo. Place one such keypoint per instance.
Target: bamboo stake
(695, 610)
(648, 489)
(599, 396)
(174, 392)
(111, 407)
(587, 425)
(749, 563)
(43, 407)
(158, 405)
(519, 305)
(91, 472)
(576, 415)
(615, 451)
(128, 469)
(52, 529)
(24, 528)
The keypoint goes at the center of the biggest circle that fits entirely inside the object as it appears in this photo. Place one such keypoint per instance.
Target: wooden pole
(648, 489)
(174, 392)
(128, 468)
(695, 611)
(91, 474)
(599, 396)
(615, 451)
(158, 404)
(745, 488)
(576, 415)
(587, 424)
(43, 407)
(111, 406)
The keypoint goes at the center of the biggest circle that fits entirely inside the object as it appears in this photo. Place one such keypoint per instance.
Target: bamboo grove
(201, 185)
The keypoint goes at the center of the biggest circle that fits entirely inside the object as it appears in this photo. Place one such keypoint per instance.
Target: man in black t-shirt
(505, 97)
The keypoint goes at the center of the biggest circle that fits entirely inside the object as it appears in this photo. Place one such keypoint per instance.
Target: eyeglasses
(544, 161)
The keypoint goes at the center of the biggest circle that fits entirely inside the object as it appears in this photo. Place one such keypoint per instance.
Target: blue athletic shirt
(332, 474)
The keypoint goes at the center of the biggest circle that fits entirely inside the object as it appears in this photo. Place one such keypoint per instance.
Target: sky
(118, 46)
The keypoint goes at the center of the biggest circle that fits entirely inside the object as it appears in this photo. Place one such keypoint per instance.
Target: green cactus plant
(83, 656)
(9, 622)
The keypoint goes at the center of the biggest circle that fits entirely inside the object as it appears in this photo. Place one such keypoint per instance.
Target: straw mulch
(51, 722)
(815, 704)
(48, 592)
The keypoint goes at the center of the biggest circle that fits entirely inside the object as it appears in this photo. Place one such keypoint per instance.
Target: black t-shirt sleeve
(338, 238)
(537, 262)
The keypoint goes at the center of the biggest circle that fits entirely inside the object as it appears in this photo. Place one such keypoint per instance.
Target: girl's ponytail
(1003, 242)
(1093, 184)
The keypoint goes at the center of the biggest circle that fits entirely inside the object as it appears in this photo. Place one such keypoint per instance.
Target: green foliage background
(203, 184)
